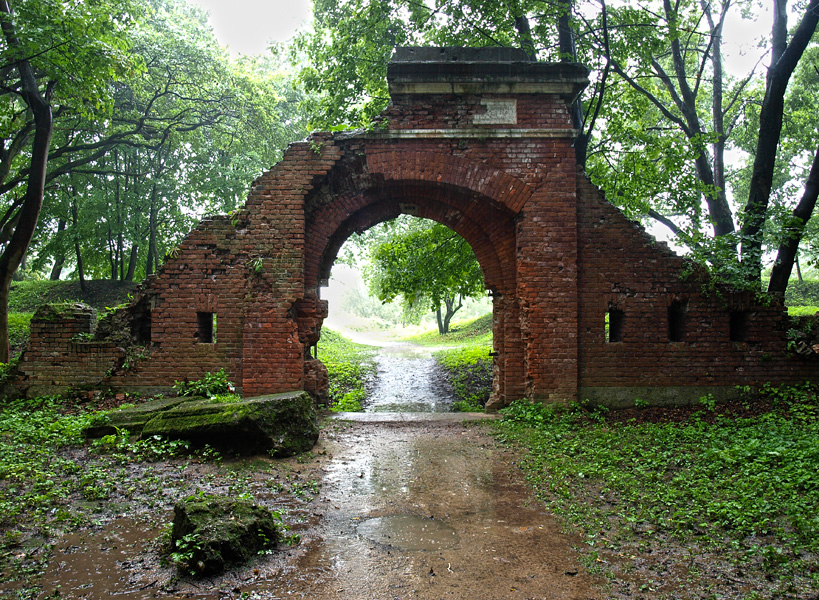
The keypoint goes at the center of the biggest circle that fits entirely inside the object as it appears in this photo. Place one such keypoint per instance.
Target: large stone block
(279, 424)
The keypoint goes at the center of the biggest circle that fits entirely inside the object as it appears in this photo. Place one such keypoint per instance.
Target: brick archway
(481, 141)
(435, 189)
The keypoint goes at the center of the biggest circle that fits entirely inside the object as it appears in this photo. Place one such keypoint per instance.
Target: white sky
(248, 26)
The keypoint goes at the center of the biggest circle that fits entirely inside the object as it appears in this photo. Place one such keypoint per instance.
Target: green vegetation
(349, 366)
(802, 311)
(211, 385)
(743, 486)
(477, 332)
(468, 367)
(425, 264)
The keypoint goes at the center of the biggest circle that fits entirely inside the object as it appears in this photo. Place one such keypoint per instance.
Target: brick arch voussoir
(490, 234)
(459, 172)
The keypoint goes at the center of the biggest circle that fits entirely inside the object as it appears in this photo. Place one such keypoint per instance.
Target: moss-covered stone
(279, 424)
(210, 533)
(133, 419)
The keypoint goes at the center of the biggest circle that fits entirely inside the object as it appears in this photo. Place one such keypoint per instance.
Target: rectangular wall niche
(738, 327)
(676, 320)
(614, 324)
(206, 327)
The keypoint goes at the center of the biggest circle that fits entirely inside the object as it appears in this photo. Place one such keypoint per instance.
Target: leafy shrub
(470, 372)
(212, 384)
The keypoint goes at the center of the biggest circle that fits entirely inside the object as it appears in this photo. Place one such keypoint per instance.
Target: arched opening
(412, 291)
(485, 224)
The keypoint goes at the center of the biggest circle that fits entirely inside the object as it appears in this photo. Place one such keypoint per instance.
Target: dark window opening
(739, 325)
(206, 327)
(676, 321)
(614, 325)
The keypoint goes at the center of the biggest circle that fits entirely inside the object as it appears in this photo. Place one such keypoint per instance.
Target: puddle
(408, 532)
(407, 382)
(100, 564)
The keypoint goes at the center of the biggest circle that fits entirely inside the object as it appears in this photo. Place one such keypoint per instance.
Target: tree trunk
(151, 263)
(785, 57)
(441, 330)
(75, 219)
(129, 276)
(33, 199)
(527, 44)
(781, 272)
(59, 260)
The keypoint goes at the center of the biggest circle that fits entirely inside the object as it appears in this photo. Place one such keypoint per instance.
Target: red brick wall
(621, 265)
(554, 254)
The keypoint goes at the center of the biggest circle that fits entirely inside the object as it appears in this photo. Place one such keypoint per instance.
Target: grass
(349, 366)
(27, 296)
(469, 370)
(470, 333)
(800, 311)
(743, 490)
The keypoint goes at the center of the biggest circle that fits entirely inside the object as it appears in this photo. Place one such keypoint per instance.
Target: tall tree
(424, 263)
(55, 59)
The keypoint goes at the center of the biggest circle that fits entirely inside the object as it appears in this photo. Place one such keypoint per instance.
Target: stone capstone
(209, 533)
(279, 424)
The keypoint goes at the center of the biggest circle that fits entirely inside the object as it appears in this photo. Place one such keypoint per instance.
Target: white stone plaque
(498, 112)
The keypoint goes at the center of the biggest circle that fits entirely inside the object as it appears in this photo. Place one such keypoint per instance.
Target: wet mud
(405, 508)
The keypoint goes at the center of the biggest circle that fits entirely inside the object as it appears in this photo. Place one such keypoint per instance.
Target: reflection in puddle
(408, 532)
(97, 564)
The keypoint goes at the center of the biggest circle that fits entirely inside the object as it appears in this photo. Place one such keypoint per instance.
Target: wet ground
(418, 503)
(408, 507)
(408, 380)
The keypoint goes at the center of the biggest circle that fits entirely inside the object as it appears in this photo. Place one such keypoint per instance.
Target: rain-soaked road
(411, 505)
(432, 509)
(408, 381)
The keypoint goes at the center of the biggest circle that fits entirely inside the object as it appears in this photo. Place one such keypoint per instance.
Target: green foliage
(33, 477)
(211, 385)
(126, 449)
(469, 371)
(802, 293)
(169, 147)
(424, 263)
(744, 484)
(350, 402)
(349, 367)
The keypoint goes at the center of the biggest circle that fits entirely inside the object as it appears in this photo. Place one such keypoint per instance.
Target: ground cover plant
(53, 482)
(720, 502)
(349, 367)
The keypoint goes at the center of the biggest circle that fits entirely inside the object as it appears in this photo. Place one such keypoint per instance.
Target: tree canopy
(426, 264)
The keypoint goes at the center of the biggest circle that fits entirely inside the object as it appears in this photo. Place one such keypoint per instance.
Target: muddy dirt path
(432, 509)
(411, 506)
(408, 380)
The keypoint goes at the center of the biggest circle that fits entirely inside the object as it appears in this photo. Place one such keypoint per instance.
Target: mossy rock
(133, 419)
(209, 533)
(279, 424)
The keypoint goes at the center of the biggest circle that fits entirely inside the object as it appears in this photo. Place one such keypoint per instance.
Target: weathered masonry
(586, 304)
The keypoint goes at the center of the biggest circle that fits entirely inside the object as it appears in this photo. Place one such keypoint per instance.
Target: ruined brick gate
(586, 304)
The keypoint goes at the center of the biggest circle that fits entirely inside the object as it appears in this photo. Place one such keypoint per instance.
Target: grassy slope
(349, 366)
